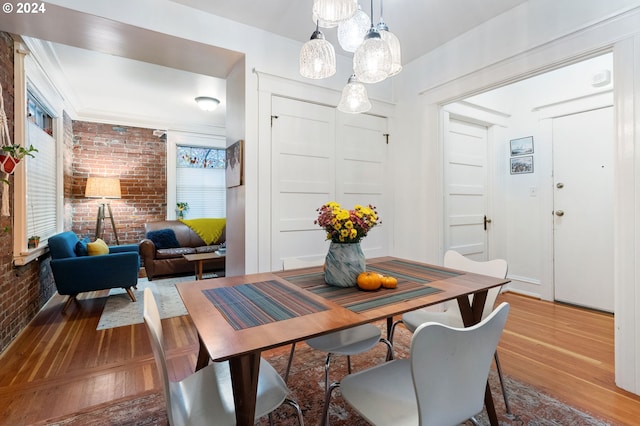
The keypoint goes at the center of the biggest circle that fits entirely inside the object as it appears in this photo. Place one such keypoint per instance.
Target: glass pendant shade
(317, 57)
(372, 60)
(354, 99)
(394, 47)
(352, 31)
(329, 13)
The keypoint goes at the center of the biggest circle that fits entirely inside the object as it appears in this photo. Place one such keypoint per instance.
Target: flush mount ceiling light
(207, 103)
(354, 99)
(372, 60)
(329, 13)
(317, 57)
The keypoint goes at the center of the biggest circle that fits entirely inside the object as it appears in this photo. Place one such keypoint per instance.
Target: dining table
(239, 317)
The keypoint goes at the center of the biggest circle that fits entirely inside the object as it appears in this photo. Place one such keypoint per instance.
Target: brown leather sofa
(169, 261)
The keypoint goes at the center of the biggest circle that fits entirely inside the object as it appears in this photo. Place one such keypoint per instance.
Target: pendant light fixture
(317, 57)
(352, 31)
(354, 99)
(372, 60)
(394, 45)
(329, 13)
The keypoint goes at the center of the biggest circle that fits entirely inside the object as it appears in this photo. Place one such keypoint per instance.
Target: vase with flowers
(345, 229)
(181, 209)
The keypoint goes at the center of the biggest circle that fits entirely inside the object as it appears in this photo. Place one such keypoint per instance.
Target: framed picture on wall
(521, 165)
(522, 146)
(234, 164)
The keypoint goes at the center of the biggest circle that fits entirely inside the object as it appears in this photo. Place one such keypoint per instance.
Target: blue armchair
(74, 273)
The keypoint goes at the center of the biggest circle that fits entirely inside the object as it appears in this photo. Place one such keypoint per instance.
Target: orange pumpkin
(389, 282)
(369, 281)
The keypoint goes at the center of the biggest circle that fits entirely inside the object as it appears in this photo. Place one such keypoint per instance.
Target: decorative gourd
(389, 282)
(369, 281)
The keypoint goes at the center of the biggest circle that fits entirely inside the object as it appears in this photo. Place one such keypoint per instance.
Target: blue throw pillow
(81, 247)
(163, 238)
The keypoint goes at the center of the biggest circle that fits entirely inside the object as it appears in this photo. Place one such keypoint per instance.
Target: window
(37, 195)
(200, 180)
(41, 171)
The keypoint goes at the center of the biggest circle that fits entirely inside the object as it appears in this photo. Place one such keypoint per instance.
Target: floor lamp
(103, 187)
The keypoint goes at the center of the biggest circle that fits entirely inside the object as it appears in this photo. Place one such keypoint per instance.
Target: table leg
(199, 270)
(472, 314)
(203, 355)
(244, 378)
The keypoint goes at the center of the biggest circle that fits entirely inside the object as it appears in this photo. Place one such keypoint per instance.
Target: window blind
(41, 183)
(204, 190)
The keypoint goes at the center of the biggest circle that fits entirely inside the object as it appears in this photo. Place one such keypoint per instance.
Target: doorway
(524, 225)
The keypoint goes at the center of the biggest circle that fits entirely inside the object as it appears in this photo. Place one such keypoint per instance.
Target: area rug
(529, 406)
(120, 310)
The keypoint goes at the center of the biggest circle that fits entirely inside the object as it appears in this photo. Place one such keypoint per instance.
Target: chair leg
(327, 364)
(349, 364)
(389, 348)
(130, 293)
(295, 405)
(70, 299)
(502, 386)
(393, 329)
(286, 373)
(325, 409)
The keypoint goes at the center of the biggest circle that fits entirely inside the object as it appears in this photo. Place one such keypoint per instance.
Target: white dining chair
(451, 315)
(442, 383)
(352, 341)
(206, 396)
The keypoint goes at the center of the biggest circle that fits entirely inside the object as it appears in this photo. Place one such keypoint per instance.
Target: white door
(303, 177)
(317, 157)
(583, 209)
(466, 221)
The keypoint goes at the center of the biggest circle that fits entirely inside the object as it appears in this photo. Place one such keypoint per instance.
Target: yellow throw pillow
(97, 247)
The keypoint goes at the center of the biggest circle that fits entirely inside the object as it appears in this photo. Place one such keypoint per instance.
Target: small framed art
(234, 164)
(522, 146)
(521, 165)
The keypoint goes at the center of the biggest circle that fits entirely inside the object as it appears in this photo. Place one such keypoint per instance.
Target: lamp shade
(352, 31)
(354, 99)
(317, 57)
(394, 47)
(372, 60)
(103, 187)
(329, 13)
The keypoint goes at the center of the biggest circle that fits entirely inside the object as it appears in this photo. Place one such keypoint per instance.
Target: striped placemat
(252, 304)
(412, 280)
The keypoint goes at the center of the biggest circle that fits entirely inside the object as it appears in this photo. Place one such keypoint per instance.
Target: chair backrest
(63, 245)
(153, 324)
(450, 367)
(493, 268)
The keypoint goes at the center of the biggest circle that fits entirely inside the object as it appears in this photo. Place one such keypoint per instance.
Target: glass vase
(343, 264)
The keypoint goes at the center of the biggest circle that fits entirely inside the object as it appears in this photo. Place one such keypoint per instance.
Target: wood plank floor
(60, 364)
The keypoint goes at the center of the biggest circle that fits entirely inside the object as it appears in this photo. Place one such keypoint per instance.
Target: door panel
(583, 216)
(465, 188)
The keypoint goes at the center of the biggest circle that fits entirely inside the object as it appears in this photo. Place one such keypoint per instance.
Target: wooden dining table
(239, 317)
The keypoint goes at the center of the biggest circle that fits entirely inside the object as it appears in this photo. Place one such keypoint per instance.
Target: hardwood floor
(60, 364)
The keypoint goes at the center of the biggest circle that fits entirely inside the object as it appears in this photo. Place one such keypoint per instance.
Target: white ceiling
(129, 83)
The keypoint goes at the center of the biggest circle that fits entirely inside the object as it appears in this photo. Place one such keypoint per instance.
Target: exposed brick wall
(138, 158)
(23, 290)
(89, 149)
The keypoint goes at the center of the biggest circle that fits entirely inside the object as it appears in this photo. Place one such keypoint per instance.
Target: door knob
(486, 221)
(559, 213)
(560, 185)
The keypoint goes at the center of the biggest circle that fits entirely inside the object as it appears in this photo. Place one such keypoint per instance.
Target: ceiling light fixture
(352, 31)
(317, 57)
(394, 45)
(372, 60)
(207, 103)
(354, 99)
(329, 13)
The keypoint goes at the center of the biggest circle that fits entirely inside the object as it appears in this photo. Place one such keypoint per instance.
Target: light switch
(533, 191)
